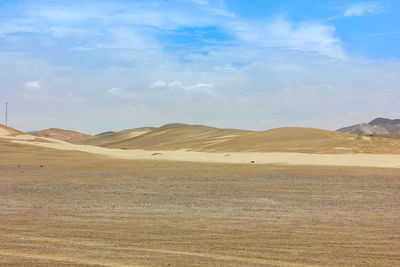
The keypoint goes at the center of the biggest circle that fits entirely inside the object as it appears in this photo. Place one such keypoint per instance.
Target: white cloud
(114, 91)
(201, 87)
(311, 37)
(158, 84)
(179, 87)
(198, 88)
(362, 8)
(32, 85)
(176, 85)
(121, 93)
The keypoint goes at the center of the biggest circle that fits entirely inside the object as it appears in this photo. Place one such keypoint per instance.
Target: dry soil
(63, 208)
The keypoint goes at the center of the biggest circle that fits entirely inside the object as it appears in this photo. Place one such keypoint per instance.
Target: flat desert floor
(63, 208)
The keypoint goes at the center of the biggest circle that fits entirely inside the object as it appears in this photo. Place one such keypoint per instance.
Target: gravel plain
(63, 208)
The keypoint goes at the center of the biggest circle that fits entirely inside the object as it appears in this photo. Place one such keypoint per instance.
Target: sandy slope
(8, 131)
(366, 160)
(288, 158)
(12, 134)
(110, 137)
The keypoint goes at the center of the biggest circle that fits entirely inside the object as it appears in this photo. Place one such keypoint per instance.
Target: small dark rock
(252, 161)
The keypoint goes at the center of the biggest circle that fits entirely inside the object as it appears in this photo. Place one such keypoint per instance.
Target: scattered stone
(252, 161)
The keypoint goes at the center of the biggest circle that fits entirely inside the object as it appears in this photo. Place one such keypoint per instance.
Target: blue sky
(108, 65)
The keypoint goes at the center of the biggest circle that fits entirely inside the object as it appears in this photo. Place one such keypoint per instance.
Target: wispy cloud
(363, 8)
(178, 86)
(158, 84)
(140, 26)
(32, 85)
(120, 93)
(310, 37)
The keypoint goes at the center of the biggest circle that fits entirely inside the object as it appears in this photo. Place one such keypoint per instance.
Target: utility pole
(6, 112)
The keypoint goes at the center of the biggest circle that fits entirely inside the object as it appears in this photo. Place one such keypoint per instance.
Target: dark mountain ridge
(378, 126)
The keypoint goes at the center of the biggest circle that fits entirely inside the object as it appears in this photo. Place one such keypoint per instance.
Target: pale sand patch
(18, 137)
(227, 136)
(285, 158)
(214, 142)
(3, 132)
(136, 133)
(25, 137)
(344, 148)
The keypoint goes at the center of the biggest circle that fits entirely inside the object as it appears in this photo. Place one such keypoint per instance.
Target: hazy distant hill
(64, 135)
(378, 126)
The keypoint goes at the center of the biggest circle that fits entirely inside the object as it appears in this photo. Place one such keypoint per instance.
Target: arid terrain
(63, 207)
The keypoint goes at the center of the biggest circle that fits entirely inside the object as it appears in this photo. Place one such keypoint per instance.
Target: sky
(96, 66)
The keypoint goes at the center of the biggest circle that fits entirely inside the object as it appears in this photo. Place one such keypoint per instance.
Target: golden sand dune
(174, 143)
(176, 137)
(64, 135)
(110, 137)
(290, 139)
(8, 131)
(13, 134)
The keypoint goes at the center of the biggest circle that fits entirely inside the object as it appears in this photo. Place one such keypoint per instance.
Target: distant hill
(64, 135)
(177, 136)
(378, 126)
(211, 139)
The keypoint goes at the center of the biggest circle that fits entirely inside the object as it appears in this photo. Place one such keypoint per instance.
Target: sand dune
(290, 139)
(64, 135)
(8, 131)
(110, 137)
(13, 134)
(242, 145)
(177, 137)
